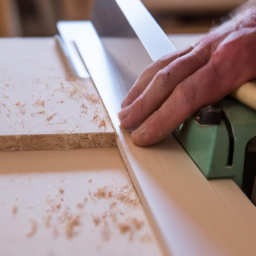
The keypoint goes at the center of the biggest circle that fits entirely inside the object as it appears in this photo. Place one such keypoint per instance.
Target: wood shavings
(124, 227)
(80, 206)
(39, 103)
(5, 97)
(106, 231)
(126, 194)
(21, 107)
(138, 224)
(51, 117)
(93, 98)
(7, 85)
(101, 122)
(93, 199)
(101, 193)
(72, 223)
(113, 204)
(33, 228)
(14, 209)
(61, 190)
(38, 113)
(96, 220)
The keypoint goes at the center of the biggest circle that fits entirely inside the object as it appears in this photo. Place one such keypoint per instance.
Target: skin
(173, 88)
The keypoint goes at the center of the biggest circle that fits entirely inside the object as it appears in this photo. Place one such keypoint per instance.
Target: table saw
(72, 182)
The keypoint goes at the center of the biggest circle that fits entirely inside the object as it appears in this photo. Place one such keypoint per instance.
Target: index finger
(148, 74)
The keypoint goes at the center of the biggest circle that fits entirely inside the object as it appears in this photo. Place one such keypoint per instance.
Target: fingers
(193, 93)
(145, 78)
(161, 87)
(221, 75)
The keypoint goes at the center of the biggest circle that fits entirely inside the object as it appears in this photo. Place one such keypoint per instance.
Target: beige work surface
(79, 202)
(43, 105)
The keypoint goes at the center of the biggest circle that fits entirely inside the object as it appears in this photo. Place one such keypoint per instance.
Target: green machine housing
(226, 148)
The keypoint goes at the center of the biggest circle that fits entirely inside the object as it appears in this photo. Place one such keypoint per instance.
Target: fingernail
(123, 114)
(138, 135)
(125, 130)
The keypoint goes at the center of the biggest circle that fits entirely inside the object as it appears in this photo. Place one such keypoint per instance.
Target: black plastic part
(210, 115)
(249, 172)
(231, 140)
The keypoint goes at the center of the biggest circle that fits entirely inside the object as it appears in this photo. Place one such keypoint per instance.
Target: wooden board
(62, 203)
(190, 215)
(43, 105)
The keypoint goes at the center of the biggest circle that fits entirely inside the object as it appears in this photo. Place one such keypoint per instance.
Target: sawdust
(103, 124)
(33, 229)
(85, 109)
(101, 193)
(92, 98)
(124, 227)
(39, 103)
(80, 206)
(61, 218)
(72, 223)
(5, 97)
(61, 190)
(38, 113)
(100, 122)
(21, 107)
(51, 117)
(96, 220)
(113, 204)
(14, 209)
(106, 231)
(125, 195)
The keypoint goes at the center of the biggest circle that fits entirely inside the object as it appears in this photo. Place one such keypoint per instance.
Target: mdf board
(71, 202)
(43, 105)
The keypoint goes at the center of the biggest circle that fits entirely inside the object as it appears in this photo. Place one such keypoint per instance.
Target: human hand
(173, 88)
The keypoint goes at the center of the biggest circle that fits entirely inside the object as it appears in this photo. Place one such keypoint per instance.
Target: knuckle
(165, 60)
(162, 78)
(199, 57)
(188, 91)
(161, 124)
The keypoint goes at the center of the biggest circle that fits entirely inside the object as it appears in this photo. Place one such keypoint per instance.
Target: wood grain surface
(43, 105)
